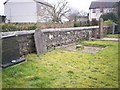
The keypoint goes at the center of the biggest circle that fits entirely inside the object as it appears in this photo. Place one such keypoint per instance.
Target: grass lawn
(63, 69)
(113, 35)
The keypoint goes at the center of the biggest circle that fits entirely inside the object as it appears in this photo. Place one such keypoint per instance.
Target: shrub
(110, 16)
(32, 27)
(76, 24)
(54, 25)
(108, 23)
(9, 27)
(94, 22)
(17, 27)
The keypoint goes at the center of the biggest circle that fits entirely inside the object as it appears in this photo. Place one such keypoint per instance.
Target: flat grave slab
(87, 49)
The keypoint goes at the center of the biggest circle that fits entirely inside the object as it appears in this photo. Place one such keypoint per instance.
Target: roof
(13, 1)
(43, 2)
(38, 1)
(95, 5)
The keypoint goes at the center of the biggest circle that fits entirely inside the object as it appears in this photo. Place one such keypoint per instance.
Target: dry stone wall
(25, 39)
(26, 44)
(53, 37)
(59, 38)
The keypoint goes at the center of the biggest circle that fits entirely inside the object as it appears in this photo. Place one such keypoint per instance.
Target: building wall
(21, 12)
(98, 13)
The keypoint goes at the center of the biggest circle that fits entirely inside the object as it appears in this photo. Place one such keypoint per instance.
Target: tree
(110, 16)
(73, 15)
(59, 10)
(83, 13)
(78, 17)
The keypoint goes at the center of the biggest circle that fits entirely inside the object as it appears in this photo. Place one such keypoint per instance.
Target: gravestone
(10, 51)
(40, 42)
(101, 28)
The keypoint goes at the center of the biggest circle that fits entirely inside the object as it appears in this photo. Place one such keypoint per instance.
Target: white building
(27, 11)
(99, 8)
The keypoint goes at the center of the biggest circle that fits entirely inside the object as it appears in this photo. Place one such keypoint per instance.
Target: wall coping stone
(16, 33)
(70, 29)
(24, 32)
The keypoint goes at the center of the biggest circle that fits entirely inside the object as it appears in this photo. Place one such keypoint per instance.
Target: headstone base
(12, 62)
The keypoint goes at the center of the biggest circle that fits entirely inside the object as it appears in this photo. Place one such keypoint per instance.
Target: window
(94, 10)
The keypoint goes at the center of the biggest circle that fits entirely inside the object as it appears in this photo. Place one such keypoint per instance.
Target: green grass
(0, 78)
(63, 69)
(113, 35)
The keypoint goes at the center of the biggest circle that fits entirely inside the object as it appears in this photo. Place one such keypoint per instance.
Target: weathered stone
(26, 44)
(79, 46)
(101, 28)
(40, 42)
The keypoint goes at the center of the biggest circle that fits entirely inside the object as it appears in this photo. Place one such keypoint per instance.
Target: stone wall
(26, 44)
(53, 37)
(61, 37)
(25, 40)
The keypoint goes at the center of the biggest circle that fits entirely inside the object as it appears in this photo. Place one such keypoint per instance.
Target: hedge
(17, 27)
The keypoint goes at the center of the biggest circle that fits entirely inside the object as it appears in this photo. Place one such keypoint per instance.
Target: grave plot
(69, 47)
(92, 49)
(81, 48)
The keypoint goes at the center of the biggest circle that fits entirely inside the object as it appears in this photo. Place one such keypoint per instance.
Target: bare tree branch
(64, 13)
(58, 11)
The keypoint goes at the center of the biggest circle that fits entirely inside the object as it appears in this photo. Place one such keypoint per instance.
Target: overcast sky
(76, 4)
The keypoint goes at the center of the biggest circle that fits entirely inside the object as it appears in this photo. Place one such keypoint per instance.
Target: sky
(81, 5)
